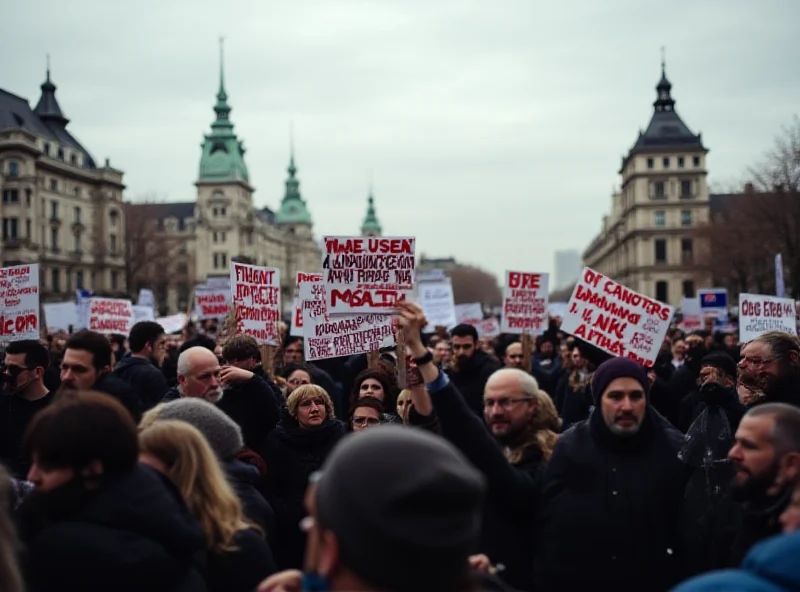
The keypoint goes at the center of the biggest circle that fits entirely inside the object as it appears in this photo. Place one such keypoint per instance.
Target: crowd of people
(181, 463)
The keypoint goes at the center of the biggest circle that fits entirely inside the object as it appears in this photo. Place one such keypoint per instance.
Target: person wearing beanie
(612, 493)
(710, 416)
(225, 438)
(392, 509)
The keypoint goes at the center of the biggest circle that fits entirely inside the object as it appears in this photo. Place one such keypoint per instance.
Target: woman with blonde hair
(237, 557)
(306, 433)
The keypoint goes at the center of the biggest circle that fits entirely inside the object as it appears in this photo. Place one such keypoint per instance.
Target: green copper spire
(371, 226)
(293, 208)
(223, 154)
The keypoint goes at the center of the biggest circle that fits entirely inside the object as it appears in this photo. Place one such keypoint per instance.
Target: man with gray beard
(612, 493)
(199, 375)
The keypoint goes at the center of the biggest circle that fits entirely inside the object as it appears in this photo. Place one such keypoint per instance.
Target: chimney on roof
(749, 189)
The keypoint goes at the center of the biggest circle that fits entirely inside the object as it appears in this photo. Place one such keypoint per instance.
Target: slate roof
(182, 210)
(666, 130)
(267, 215)
(46, 121)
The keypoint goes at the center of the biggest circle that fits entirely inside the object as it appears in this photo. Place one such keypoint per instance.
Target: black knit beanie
(615, 368)
(405, 507)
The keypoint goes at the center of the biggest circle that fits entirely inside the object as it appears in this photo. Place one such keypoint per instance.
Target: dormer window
(60, 154)
(46, 149)
(73, 159)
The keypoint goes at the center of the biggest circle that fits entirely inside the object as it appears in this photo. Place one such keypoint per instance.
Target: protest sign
(364, 274)
(60, 316)
(328, 336)
(110, 315)
(616, 319)
(436, 300)
(525, 303)
(759, 314)
(212, 304)
(296, 327)
(692, 317)
(19, 295)
(172, 323)
(470, 313)
(488, 328)
(257, 299)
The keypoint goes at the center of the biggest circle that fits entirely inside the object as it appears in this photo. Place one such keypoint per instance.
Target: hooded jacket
(133, 534)
(145, 379)
(471, 380)
(112, 385)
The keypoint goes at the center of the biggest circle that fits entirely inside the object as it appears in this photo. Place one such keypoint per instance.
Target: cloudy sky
(494, 129)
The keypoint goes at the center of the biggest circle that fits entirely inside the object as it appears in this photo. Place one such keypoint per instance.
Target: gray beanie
(405, 507)
(223, 434)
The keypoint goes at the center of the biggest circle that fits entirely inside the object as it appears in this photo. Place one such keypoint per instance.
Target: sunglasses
(14, 371)
(370, 421)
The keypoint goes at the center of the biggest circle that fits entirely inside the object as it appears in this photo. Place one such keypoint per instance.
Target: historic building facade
(224, 225)
(58, 207)
(371, 226)
(648, 241)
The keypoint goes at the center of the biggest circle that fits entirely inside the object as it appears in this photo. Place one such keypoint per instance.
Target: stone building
(59, 208)
(224, 225)
(647, 241)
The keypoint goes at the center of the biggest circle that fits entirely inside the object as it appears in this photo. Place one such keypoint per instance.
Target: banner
(364, 274)
(110, 316)
(759, 314)
(616, 319)
(257, 296)
(19, 294)
(525, 303)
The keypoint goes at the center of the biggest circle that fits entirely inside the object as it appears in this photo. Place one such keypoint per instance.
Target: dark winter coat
(241, 570)
(292, 454)
(15, 415)
(758, 521)
(608, 516)
(253, 405)
(514, 490)
(145, 379)
(471, 381)
(243, 479)
(133, 534)
(111, 385)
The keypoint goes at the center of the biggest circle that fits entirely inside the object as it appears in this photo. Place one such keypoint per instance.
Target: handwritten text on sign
(367, 274)
(19, 296)
(110, 315)
(342, 335)
(296, 329)
(616, 319)
(212, 304)
(257, 296)
(759, 314)
(525, 303)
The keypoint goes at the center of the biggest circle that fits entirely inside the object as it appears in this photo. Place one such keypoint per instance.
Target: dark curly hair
(387, 381)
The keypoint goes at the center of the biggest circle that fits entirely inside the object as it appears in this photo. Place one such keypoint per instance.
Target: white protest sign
(436, 300)
(364, 274)
(759, 314)
(172, 323)
(327, 336)
(143, 313)
(19, 296)
(489, 328)
(60, 316)
(616, 319)
(296, 326)
(692, 315)
(257, 295)
(212, 303)
(470, 313)
(146, 298)
(110, 315)
(525, 303)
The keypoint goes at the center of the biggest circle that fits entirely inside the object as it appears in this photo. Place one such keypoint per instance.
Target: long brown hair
(193, 467)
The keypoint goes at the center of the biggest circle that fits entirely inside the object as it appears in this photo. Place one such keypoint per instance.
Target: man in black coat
(141, 370)
(473, 367)
(612, 491)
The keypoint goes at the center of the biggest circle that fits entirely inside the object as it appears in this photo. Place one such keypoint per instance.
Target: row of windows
(11, 231)
(56, 274)
(220, 237)
(660, 250)
(666, 162)
(220, 260)
(662, 290)
(13, 171)
(219, 212)
(661, 218)
(658, 189)
(11, 196)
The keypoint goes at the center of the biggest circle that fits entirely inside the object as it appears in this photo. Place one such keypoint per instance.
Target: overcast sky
(494, 129)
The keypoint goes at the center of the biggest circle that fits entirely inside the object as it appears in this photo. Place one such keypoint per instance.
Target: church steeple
(223, 153)
(371, 226)
(48, 108)
(293, 208)
(664, 100)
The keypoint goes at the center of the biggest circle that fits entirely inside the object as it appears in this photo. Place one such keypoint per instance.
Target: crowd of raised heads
(202, 461)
